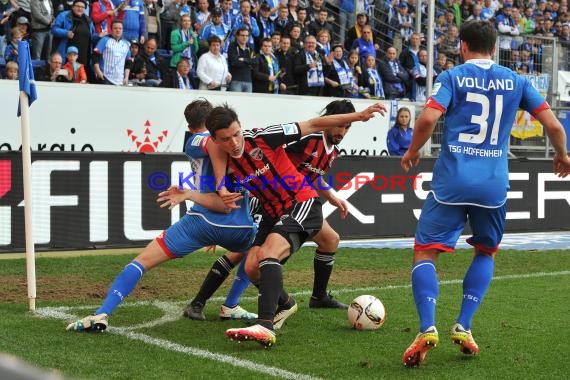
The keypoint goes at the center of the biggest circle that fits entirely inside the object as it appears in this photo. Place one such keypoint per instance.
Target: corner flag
(26, 76)
(27, 96)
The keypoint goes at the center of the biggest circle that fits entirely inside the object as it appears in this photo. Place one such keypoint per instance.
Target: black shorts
(297, 224)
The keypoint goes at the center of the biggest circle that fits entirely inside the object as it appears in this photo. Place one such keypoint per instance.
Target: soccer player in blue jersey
(199, 228)
(470, 178)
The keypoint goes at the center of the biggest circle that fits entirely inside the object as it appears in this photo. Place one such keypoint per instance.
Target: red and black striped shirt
(311, 155)
(267, 172)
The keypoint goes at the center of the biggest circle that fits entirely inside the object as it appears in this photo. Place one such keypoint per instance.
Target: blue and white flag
(393, 112)
(26, 73)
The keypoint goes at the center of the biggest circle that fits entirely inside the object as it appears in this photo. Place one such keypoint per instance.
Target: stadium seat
(166, 54)
(38, 63)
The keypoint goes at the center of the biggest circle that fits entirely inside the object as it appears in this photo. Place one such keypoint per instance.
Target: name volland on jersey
(486, 84)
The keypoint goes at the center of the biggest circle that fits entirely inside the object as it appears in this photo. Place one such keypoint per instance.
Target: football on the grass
(366, 313)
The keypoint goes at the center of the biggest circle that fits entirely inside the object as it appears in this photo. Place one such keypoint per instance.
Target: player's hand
(341, 205)
(230, 198)
(561, 165)
(369, 112)
(410, 159)
(171, 198)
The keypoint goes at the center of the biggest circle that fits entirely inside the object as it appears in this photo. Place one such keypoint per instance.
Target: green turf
(521, 327)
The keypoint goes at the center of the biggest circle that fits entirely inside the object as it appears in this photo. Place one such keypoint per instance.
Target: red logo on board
(147, 145)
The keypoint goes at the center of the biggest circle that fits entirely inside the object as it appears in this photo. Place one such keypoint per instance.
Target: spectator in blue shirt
(364, 45)
(134, 21)
(400, 135)
(245, 19)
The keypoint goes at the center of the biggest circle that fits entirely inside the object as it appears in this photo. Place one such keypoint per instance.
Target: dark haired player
(470, 178)
(292, 211)
(312, 155)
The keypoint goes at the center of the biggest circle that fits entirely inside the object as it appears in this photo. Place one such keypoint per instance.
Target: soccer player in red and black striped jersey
(291, 207)
(313, 156)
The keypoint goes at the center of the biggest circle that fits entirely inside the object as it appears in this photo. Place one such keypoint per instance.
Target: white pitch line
(172, 313)
(59, 313)
(192, 351)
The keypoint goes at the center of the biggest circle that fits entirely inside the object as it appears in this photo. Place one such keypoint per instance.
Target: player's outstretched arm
(423, 128)
(174, 196)
(322, 123)
(557, 136)
(211, 201)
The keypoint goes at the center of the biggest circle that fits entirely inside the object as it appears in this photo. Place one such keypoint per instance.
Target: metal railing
(544, 56)
(539, 59)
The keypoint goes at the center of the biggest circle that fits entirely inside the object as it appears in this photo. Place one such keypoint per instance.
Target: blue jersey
(480, 100)
(398, 140)
(200, 162)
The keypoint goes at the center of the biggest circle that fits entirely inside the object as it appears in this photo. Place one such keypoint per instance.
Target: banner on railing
(564, 85)
(526, 126)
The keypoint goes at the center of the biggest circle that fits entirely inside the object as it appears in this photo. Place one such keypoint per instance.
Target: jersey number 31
(482, 119)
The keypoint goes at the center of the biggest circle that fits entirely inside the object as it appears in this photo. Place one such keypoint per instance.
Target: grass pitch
(521, 328)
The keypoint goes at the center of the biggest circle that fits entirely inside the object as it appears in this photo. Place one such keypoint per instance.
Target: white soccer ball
(366, 313)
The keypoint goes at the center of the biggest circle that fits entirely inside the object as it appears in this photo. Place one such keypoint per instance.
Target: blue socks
(425, 288)
(475, 284)
(240, 284)
(122, 287)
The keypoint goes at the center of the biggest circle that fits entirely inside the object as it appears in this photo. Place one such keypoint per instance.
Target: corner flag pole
(27, 96)
(27, 169)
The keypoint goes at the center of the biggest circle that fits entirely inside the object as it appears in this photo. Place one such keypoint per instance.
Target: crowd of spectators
(306, 47)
